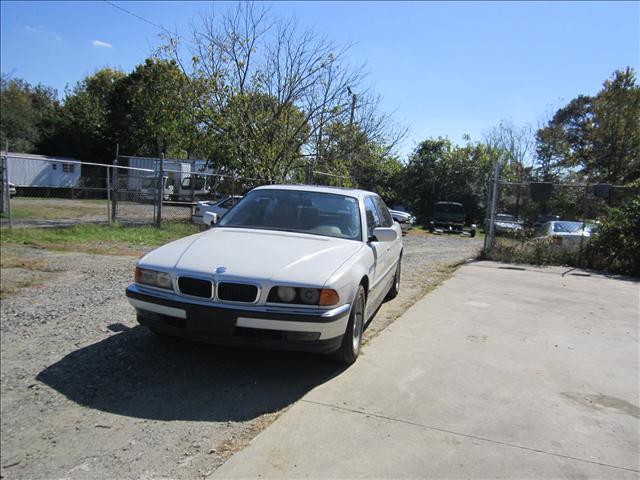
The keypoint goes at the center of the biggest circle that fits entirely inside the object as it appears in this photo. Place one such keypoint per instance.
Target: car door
(392, 251)
(380, 256)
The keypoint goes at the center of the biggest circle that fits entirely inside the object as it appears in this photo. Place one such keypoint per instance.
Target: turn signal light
(328, 297)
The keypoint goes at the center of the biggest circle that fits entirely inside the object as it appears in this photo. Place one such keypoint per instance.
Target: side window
(385, 216)
(228, 203)
(373, 218)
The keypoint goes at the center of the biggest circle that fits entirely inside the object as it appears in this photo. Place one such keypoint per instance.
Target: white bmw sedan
(288, 267)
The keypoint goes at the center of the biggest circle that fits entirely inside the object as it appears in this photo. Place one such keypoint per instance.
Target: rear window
(567, 227)
(449, 208)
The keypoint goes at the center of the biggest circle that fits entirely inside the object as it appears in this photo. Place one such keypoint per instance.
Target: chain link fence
(56, 191)
(548, 223)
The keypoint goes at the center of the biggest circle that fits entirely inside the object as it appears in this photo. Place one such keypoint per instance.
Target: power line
(160, 27)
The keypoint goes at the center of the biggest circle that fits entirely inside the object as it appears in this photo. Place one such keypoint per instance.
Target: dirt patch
(19, 273)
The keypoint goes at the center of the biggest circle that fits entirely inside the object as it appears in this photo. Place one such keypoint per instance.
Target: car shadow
(137, 374)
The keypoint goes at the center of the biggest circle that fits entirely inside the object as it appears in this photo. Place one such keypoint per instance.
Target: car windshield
(449, 208)
(504, 217)
(567, 227)
(300, 211)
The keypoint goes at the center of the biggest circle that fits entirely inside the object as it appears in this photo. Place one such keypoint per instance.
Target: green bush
(616, 244)
(534, 252)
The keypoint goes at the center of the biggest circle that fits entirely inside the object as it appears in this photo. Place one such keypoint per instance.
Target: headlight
(153, 278)
(287, 294)
(324, 297)
(310, 296)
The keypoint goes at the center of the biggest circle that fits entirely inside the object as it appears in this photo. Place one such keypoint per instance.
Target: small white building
(27, 170)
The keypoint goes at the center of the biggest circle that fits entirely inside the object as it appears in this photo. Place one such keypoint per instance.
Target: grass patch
(55, 208)
(115, 239)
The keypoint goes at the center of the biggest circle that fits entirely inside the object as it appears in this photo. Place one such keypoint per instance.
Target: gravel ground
(87, 393)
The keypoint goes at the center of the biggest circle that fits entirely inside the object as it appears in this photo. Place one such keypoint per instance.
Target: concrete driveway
(500, 372)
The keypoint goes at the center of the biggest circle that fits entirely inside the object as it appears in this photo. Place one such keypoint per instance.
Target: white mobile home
(26, 170)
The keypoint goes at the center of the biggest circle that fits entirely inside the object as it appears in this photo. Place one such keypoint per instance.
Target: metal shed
(26, 170)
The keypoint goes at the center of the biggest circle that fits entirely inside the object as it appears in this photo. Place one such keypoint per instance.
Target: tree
(151, 112)
(616, 142)
(300, 84)
(515, 146)
(440, 171)
(597, 136)
(27, 114)
(86, 129)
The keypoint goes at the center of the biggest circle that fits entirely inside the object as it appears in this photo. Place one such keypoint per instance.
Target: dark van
(449, 217)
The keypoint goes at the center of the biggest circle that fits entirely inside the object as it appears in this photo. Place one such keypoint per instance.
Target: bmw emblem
(221, 269)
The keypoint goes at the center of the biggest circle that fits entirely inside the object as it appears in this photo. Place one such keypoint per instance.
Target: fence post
(5, 186)
(3, 200)
(584, 221)
(494, 202)
(192, 180)
(114, 185)
(108, 178)
(160, 196)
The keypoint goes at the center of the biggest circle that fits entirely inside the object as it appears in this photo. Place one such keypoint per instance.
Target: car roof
(351, 192)
(449, 203)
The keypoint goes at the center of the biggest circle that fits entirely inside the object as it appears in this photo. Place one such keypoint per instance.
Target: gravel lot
(87, 393)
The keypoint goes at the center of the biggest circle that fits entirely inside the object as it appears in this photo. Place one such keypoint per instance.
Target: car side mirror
(210, 219)
(385, 234)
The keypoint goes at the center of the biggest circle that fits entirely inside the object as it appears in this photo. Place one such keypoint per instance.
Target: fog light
(303, 336)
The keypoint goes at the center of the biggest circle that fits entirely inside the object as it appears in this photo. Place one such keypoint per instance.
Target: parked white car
(289, 267)
(567, 235)
(405, 219)
(219, 207)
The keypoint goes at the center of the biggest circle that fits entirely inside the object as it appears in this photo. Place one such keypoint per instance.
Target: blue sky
(444, 68)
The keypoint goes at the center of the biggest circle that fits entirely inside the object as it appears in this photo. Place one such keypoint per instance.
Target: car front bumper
(232, 325)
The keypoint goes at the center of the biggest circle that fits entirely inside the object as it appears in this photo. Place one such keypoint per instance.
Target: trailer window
(68, 167)
(54, 166)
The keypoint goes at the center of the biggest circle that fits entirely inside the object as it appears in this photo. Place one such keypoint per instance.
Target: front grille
(195, 287)
(237, 292)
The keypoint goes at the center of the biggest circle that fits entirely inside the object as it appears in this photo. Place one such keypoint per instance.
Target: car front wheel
(350, 348)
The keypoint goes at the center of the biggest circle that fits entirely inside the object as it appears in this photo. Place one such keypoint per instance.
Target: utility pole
(494, 202)
(353, 105)
(351, 139)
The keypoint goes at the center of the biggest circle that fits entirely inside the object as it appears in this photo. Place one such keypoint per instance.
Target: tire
(395, 286)
(352, 340)
(472, 233)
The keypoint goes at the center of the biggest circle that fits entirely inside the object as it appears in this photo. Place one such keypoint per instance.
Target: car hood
(256, 254)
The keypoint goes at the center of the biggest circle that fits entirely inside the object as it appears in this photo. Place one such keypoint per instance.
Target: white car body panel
(261, 255)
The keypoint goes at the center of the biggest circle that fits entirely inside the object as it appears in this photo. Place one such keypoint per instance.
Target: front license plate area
(202, 319)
